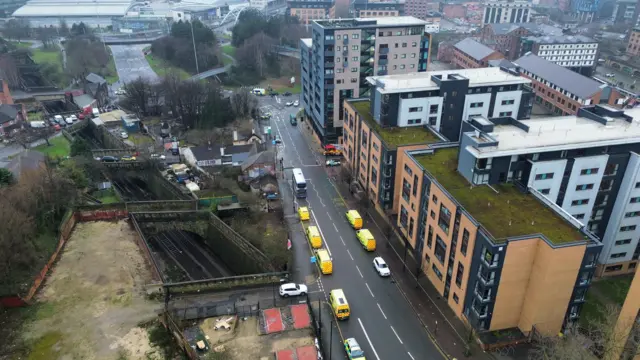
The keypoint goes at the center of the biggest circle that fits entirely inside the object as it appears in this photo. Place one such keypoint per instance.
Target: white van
(59, 119)
(37, 124)
(95, 112)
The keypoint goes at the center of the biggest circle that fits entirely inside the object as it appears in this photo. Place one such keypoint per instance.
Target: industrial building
(42, 13)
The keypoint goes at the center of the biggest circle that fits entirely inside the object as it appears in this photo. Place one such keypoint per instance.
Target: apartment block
(505, 38)
(624, 12)
(493, 252)
(410, 112)
(561, 90)
(309, 10)
(369, 9)
(587, 164)
(506, 11)
(576, 52)
(342, 53)
(633, 46)
(470, 54)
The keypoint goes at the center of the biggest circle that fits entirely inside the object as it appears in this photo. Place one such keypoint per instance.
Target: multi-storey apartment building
(624, 12)
(561, 90)
(575, 52)
(587, 164)
(505, 38)
(469, 54)
(308, 10)
(633, 46)
(506, 11)
(342, 53)
(409, 112)
(369, 9)
(492, 252)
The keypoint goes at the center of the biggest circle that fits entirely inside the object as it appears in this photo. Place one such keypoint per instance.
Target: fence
(214, 201)
(65, 229)
(317, 329)
(230, 282)
(227, 308)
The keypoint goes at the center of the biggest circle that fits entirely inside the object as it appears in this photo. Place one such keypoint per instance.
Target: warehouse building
(42, 13)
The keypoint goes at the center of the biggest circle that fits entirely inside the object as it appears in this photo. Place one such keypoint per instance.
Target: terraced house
(493, 251)
(414, 111)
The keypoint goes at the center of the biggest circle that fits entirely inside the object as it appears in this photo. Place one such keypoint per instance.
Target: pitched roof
(8, 112)
(474, 49)
(95, 78)
(562, 77)
(263, 157)
(27, 160)
(501, 63)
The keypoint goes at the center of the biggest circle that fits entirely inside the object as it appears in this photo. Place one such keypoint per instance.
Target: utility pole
(195, 53)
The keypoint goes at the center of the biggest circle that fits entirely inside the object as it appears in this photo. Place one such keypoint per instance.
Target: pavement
(382, 320)
(131, 64)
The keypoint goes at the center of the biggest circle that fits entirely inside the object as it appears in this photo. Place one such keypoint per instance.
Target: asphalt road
(381, 320)
(131, 64)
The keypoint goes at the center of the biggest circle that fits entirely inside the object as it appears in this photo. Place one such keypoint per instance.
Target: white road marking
(411, 356)
(394, 331)
(341, 239)
(321, 234)
(335, 227)
(359, 271)
(385, 316)
(349, 252)
(369, 340)
(329, 216)
(370, 292)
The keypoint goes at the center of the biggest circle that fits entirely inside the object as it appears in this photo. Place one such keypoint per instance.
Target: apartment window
(638, 185)
(628, 228)
(406, 190)
(433, 109)
(545, 176)
(355, 47)
(476, 105)
(634, 200)
(613, 268)
(591, 171)
(415, 109)
(434, 199)
(354, 69)
(456, 298)
(444, 219)
(544, 191)
(433, 214)
(579, 216)
(632, 214)
(414, 121)
(404, 45)
(413, 55)
(506, 113)
(430, 237)
(403, 56)
(611, 169)
(354, 58)
(374, 176)
(584, 187)
(606, 185)
(436, 271)
(407, 169)
(414, 44)
(508, 102)
(355, 36)
(579, 202)
(441, 250)
(459, 274)
(623, 242)
(415, 185)
(618, 255)
(433, 120)
(354, 80)
(375, 146)
(465, 242)
(411, 227)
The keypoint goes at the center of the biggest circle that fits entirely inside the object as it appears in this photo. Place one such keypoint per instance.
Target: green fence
(212, 202)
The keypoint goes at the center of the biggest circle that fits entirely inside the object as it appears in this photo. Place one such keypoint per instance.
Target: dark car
(109, 159)
(286, 94)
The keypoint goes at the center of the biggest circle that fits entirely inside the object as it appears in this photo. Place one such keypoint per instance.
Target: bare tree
(255, 52)
(604, 336)
(138, 94)
(243, 103)
(9, 70)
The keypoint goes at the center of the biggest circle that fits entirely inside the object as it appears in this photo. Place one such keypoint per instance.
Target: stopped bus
(299, 184)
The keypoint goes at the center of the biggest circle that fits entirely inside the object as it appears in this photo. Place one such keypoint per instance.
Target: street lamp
(195, 53)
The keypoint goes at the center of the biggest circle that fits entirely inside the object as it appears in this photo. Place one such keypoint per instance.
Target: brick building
(470, 54)
(506, 37)
(633, 46)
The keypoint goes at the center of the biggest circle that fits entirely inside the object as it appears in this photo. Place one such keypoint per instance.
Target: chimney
(222, 150)
(235, 135)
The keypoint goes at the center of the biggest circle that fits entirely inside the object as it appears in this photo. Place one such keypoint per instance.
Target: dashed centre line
(394, 331)
(360, 272)
(383, 314)
(349, 252)
(370, 292)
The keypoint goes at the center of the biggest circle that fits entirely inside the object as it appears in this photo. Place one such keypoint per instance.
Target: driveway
(131, 64)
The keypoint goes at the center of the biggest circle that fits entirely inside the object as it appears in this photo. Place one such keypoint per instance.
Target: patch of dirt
(246, 343)
(94, 298)
(218, 336)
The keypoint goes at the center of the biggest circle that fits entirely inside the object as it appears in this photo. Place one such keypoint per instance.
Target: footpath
(441, 324)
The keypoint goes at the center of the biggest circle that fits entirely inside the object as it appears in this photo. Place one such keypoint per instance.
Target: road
(381, 320)
(131, 64)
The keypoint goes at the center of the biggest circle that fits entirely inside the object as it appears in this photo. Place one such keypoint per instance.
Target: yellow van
(366, 239)
(314, 237)
(354, 219)
(303, 213)
(339, 304)
(324, 261)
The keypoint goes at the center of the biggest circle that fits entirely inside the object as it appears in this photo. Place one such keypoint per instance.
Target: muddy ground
(94, 299)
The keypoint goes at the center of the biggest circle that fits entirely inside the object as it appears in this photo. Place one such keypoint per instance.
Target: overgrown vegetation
(162, 339)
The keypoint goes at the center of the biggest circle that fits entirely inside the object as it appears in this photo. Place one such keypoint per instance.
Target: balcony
(485, 279)
(345, 64)
(384, 51)
(387, 173)
(480, 313)
(329, 64)
(387, 185)
(383, 62)
(481, 297)
(489, 260)
(345, 52)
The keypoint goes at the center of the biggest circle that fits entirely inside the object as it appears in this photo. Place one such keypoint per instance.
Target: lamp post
(195, 53)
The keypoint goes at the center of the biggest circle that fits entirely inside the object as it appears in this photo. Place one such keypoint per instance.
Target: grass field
(106, 196)
(21, 45)
(60, 147)
(229, 50)
(48, 56)
(161, 67)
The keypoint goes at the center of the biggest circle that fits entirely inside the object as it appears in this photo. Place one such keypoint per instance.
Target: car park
(353, 349)
(292, 289)
(332, 162)
(381, 266)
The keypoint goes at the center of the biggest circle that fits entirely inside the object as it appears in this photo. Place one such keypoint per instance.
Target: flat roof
(55, 8)
(394, 136)
(561, 39)
(374, 22)
(308, 42)
(505, 212)
(422, 81)
(561, 133)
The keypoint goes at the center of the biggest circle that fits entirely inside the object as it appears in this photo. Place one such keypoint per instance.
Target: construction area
(94, 299)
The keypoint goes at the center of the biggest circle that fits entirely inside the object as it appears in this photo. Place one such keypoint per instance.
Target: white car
(124, 135)
(120, 92)
(292, 289)
(296, 103)
(74, 118)
(68, 120)
(289, 103)
(381, 267)
(610, 75)
(158, 156)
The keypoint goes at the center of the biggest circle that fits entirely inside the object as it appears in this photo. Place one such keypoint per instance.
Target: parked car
(610, 75)
(128, 158)
(333, 163)
(68, 120)
(108, 159)
(277, 140)
(353, 349)
(381, 266)
(74, 118)
(120, 92)
(286, 93)
(289, 103)
(158, 156)
(291, 289)
(296, 103)
(124, 135)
